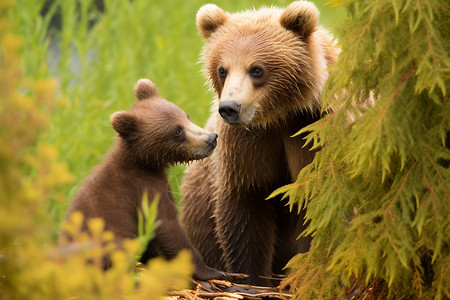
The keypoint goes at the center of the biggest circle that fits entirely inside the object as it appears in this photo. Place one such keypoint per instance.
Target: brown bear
(153, 135)
(268, 67)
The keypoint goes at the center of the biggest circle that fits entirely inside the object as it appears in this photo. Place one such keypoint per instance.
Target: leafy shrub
(377, 192)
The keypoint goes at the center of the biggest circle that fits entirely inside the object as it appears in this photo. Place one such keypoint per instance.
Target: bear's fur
(153, 135)
(268, 68)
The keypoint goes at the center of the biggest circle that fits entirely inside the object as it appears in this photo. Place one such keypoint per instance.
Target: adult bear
(268, 68)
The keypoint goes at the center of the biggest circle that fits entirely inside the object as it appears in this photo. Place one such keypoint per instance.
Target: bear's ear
(145, 89)
(301, 17)
(209, 18)
(123, 122)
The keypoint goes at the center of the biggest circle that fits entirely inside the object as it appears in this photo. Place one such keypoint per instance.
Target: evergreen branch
(359, 41)
(434, 56)
(393, 247)
(418, 278)
(396, 11)
(385, 105)
(435, 168)
(419, 16)
(446, 271)
(335, 183)
(402, 185)
(397, 50)
(439, 176)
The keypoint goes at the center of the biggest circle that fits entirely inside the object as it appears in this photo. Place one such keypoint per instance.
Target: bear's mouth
(205, 152)
(195, 156)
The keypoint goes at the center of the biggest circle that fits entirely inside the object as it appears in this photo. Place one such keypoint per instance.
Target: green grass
(99, 56)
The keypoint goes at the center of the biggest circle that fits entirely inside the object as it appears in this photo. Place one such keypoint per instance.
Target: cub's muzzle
(212, 140)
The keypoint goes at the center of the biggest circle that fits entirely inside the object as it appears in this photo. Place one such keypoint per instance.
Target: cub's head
(266, 63)
(157, 133)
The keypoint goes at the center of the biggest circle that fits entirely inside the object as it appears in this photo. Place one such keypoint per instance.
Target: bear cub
(153, 135)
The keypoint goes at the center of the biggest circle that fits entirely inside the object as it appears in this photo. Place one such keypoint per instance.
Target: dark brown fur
(149, 141)
(224, 209)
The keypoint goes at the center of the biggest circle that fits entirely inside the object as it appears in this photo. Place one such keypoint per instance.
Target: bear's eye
(256, 72)
(179, 132)
(222, 72)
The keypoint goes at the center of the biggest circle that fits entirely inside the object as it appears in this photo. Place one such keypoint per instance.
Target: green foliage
(31, 265)
(378, 190)
(147, 221)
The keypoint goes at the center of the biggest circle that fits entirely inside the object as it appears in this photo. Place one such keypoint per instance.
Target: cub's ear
(145, 89)
(123, 122)
(209, 18)
(301, 17)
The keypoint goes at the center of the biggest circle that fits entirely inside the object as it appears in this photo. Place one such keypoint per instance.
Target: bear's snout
(229, 111)
(212, 140)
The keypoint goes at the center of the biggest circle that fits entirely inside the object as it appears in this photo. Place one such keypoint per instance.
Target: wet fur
(224, 211)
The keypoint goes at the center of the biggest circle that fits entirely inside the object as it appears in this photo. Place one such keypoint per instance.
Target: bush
(377, 193)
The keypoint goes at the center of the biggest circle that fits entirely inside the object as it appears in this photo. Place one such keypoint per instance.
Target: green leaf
(147, 221)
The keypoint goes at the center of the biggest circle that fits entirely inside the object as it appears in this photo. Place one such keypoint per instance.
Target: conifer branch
(439, 175)
(400, 189)
(384, 107)
(389, 163)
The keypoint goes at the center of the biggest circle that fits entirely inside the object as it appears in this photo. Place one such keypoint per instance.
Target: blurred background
(94, 52)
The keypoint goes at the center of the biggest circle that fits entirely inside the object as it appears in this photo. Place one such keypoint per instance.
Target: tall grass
(98, 55)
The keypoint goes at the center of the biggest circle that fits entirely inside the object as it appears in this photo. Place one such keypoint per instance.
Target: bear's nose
(212, 140)
(229, 110)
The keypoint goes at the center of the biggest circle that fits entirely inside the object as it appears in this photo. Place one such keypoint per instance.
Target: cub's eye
(256, 72)
(222, 72)
(179, 132)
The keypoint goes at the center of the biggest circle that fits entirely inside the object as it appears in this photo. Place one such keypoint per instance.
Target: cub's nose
(229, 111)
(212, 140)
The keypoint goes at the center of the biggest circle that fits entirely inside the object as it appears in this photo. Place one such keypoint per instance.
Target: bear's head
(158, 133)
(265, 64)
